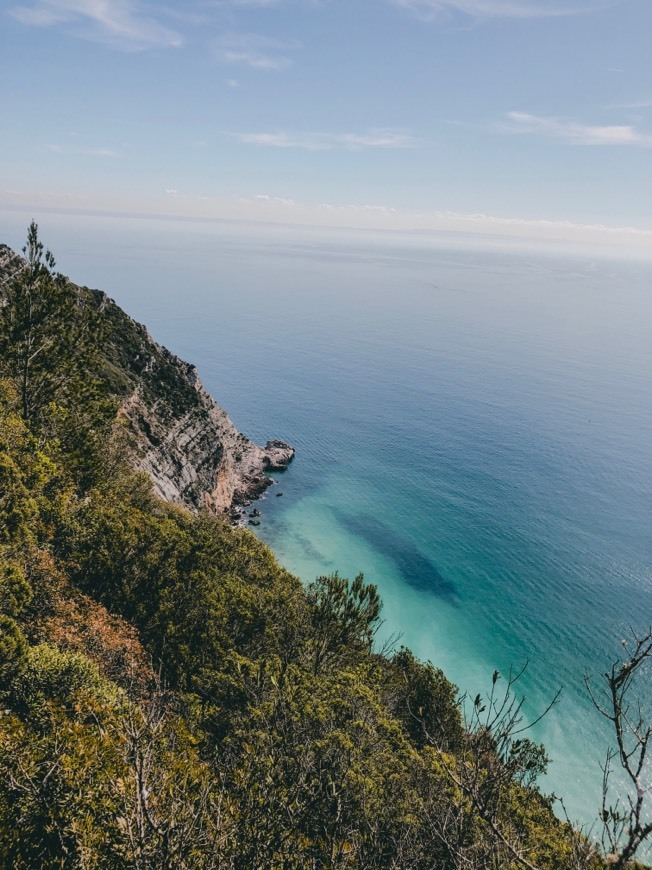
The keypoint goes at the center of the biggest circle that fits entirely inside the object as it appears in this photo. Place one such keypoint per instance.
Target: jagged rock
(183, 439)
(197, 457)
(279, 455)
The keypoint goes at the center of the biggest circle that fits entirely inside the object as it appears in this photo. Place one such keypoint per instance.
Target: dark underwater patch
(415, 569)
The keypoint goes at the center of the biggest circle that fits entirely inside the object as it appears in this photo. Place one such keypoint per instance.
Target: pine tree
(44, 329)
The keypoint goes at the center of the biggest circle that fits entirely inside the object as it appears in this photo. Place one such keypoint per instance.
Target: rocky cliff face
(195, 455)
(182, 438)
(10, 263)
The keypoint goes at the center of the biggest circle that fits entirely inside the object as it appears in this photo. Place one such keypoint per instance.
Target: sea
(473, 431)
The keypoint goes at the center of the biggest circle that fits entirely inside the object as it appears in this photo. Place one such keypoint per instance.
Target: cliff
(182, 438)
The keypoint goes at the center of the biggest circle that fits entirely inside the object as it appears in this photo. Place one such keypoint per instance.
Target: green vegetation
(170, 697)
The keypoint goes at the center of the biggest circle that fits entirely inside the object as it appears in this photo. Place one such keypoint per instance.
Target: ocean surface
(473, 432)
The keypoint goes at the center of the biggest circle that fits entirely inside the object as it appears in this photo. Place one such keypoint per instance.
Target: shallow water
(473, 432)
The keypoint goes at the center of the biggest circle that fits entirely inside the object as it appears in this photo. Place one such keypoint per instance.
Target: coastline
(182, 438)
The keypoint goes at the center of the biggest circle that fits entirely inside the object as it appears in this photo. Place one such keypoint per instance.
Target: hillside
(170, 696)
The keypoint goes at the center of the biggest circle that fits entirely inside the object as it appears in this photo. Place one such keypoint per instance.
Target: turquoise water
(473, 431)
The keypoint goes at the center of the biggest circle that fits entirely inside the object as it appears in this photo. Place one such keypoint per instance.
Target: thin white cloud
(503, 8)
(256, 52)
(88, 152)
(123, 24)
(256, 60)
(382, 210)
(633, 105)
(275, 200)
(488, 219)
(328, 141)
(576, 132)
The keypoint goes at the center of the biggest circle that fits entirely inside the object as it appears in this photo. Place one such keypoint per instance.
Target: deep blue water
(473, 431)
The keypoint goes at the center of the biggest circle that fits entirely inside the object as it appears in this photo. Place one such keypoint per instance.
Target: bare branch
(626, 826)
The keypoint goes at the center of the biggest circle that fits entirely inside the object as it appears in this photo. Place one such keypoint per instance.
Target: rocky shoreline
(198, 458)
(181, 437)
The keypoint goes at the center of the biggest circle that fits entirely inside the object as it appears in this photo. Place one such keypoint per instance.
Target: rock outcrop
(196, 457)
(182, 438)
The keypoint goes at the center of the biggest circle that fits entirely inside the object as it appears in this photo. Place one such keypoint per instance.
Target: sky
(523, 119)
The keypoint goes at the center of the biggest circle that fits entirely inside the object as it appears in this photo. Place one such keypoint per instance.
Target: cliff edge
(182, 438)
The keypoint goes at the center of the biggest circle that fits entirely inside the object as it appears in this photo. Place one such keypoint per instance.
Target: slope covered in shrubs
(171, 697)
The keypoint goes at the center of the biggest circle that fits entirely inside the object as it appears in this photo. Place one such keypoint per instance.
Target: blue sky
(500, 116)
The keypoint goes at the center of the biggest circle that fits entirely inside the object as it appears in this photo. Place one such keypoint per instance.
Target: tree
(425, 702)
(495, 815)
(45, 327)
(170, 813)
(13, 648)
(627, 824)
(344, 615)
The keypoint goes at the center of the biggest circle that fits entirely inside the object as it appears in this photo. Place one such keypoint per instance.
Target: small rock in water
(254, 522)
(279, 494)
(255, 513)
